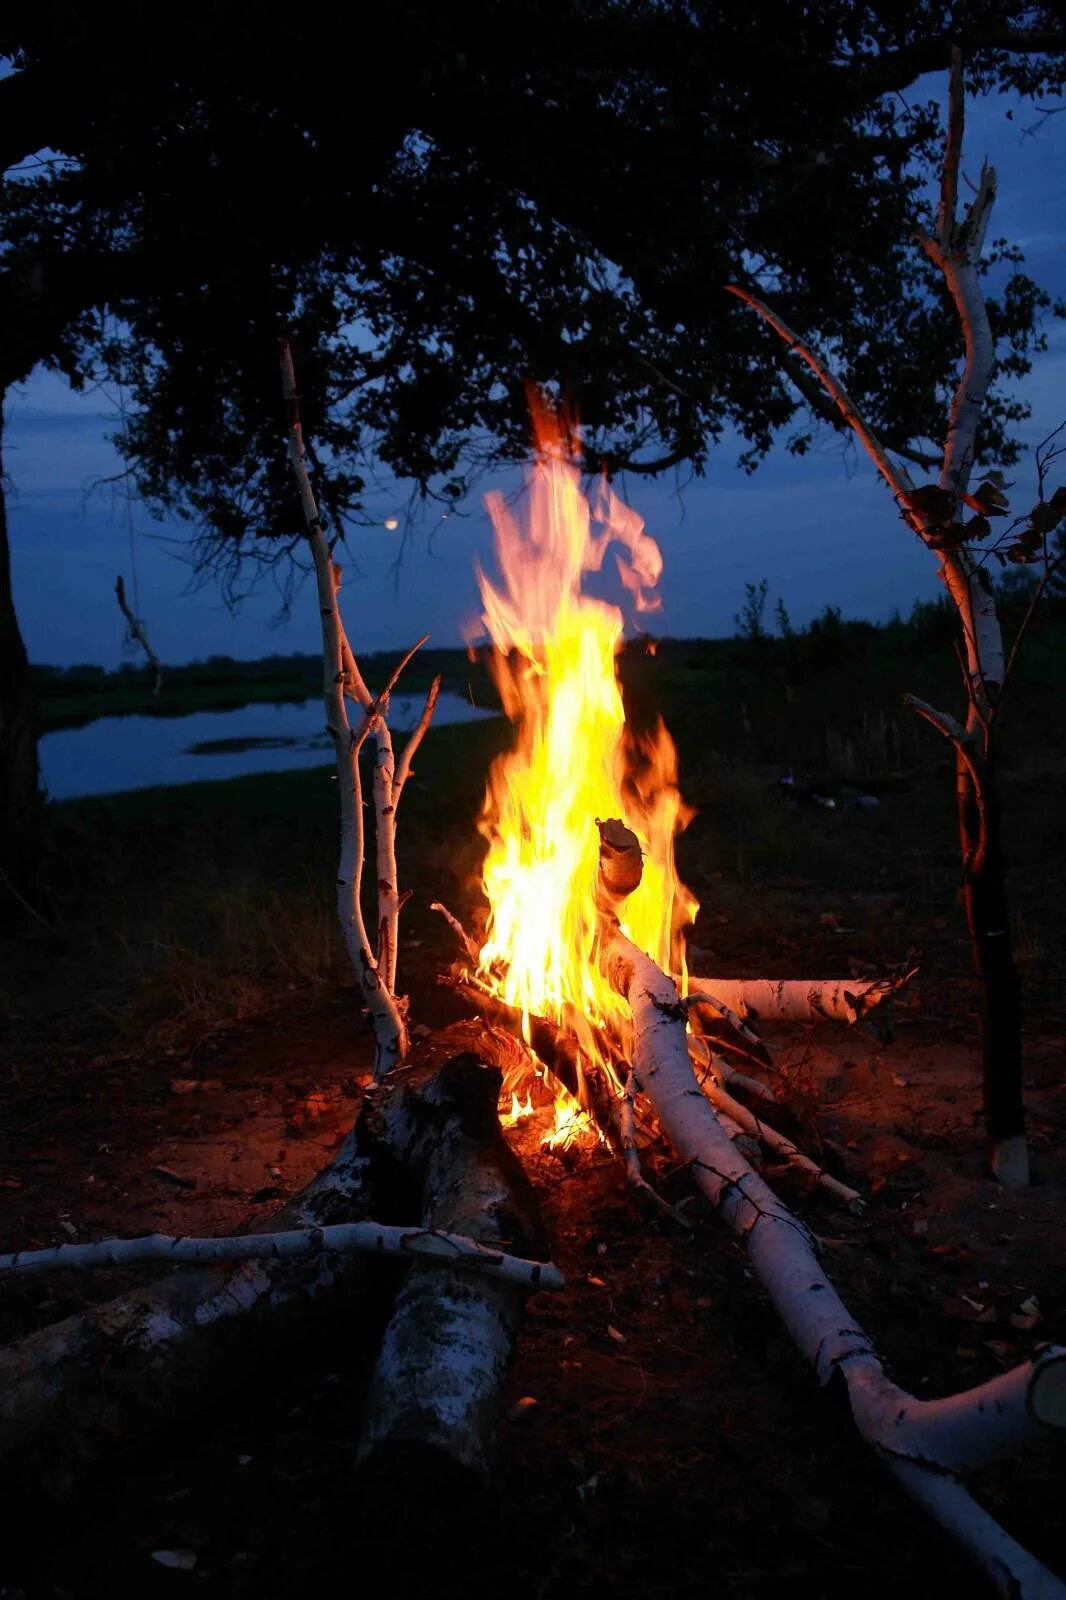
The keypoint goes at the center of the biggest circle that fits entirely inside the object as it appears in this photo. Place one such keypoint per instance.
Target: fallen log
(344, 1238)
(434, 1397)
(794, 999)
(713, 1075)
(929, 1446)
(105, 1379)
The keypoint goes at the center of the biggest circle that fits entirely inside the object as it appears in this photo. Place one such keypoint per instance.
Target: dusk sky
(821, 529)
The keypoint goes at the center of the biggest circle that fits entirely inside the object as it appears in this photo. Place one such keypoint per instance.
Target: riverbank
(173, 910)
(70, 697)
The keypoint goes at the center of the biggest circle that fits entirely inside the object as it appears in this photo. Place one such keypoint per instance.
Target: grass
(176, 911)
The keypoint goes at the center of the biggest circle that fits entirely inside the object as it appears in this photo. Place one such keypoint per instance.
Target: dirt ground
(678, 1444)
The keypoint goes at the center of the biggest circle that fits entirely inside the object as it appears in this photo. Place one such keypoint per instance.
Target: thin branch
(822, 406)
(943, 721)
(790, 1154)
(963, 742)
(379, 706)
(470, 949)
(897, 478)
(449, 1249)
(136, 632)
(949, 174)
(403, 766)
(627, 1130)
(1049, 572)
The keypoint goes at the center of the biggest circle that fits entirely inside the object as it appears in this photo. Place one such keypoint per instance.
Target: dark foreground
(678, 1445)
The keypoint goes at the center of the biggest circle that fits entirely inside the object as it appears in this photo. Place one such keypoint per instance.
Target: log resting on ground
(374, 1238)
(929, 1446)
(713, 1075)
(436, 1387)
(106, 1378)
(794, 999)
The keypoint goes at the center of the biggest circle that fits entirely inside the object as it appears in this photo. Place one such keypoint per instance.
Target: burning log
(435, 1391)
(107, 1378)
(558, 1049)
(929, 1446)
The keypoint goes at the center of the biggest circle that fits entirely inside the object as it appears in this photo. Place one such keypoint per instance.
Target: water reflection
(118, 753)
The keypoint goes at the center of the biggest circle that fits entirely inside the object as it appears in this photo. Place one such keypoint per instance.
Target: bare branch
(403, 767)
(136, 631)
(390, 1031)
(896, 477)
(449, 1249)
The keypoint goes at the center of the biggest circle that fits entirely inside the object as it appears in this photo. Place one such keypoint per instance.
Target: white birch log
(344, 1238)
(800, 1165)
(795, 999)
(339, 671)
(110, 1377)
(435, 1394)
(106, 1378)
(929, 1446)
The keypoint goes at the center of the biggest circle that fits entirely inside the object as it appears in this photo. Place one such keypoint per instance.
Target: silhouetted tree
(435, 212)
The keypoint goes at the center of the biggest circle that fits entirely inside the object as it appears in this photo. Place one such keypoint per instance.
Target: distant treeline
(71, 696)
(88, 678)
(766, 648)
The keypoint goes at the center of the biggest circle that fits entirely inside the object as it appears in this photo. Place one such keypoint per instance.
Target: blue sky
(822, 529)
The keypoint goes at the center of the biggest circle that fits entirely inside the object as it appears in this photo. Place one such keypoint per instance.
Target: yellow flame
(573, 759)
(520, 1109)
(571, 1125)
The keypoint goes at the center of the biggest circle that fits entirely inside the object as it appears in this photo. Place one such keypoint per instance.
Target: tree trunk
(992, 953)
(19, 801)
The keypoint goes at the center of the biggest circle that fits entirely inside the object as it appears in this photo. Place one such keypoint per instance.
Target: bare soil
(678, 1445)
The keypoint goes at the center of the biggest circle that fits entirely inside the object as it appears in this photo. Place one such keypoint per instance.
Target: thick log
(107, 1378)
(448, 1345)
(929, 1446)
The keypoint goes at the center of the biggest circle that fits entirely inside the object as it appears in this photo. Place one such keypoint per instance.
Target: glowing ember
(572, 1125)
(520, 1109)
(573, 761)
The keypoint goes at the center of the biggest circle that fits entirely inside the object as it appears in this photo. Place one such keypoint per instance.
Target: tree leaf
(990, 498)
(929, 500)
(1044, 517)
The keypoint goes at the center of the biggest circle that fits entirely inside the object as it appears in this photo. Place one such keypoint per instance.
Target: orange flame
(573, 760)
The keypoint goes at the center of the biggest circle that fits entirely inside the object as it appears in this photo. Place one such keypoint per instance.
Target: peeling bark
(795, 999)
(436, 1388)
(105, 1380)
(929, 1446)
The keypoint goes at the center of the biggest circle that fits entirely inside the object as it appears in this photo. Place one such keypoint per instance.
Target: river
(114, 754)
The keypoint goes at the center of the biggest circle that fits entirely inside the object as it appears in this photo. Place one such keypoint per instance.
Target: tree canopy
(438, 201)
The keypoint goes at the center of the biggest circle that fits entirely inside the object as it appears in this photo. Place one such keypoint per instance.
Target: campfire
(579, 995)
(574, 765)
